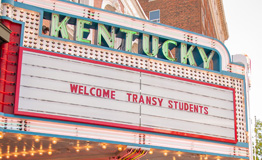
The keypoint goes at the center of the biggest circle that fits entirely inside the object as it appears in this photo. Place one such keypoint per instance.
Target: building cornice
(222, 17)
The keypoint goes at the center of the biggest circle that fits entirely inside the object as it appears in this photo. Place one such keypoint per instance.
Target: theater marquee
(71, 88)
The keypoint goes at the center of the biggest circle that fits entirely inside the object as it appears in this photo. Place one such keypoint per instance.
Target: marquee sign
(76, 89)
(91, 32)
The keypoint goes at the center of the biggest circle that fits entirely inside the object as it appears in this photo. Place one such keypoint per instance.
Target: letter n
(103, 32)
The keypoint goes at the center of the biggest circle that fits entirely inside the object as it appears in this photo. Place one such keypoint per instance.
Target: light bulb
(54, 141)
(120, 148)
(1, 135)
(49, 152)
(104, 146)
(19, 138)
(165, 154)
(150, 152)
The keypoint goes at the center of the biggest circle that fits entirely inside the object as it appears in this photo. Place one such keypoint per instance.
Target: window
(154, 16)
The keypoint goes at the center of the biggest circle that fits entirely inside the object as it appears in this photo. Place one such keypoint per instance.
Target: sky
(244, 22)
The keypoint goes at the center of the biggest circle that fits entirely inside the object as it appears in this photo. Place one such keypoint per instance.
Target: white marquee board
(75, 89)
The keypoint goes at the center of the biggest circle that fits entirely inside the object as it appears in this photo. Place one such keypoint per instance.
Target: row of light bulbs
(32, 152)
(37, 139)
(54, 141)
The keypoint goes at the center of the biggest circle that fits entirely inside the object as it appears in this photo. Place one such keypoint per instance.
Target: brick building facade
(200, 16)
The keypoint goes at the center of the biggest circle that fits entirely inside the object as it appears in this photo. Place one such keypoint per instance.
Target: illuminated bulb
(23, 154)
(37, 140)
(87, 148)
(54, 141)
(165, 154)
(1, 135)
(49, 152)
(120, 148)
(19, 138)
(104, 146)
(179, 155)
(15, 155)
(7, 156)
(1, 157)
(32, 154)
(77, 150)
(150, 152)
(41, 153)
(206, 158)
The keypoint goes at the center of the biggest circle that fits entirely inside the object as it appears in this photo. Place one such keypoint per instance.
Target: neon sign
(148, 44)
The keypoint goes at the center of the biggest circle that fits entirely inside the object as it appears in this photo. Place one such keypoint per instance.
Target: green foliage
(258, 140)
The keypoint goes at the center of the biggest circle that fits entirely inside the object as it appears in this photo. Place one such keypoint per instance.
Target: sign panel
(70, 88)
(111, 36)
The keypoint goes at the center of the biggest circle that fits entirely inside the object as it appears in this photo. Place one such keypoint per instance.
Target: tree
(258, 140)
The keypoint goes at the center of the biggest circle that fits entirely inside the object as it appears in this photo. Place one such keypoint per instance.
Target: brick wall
(185, 14)
(208, 27)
